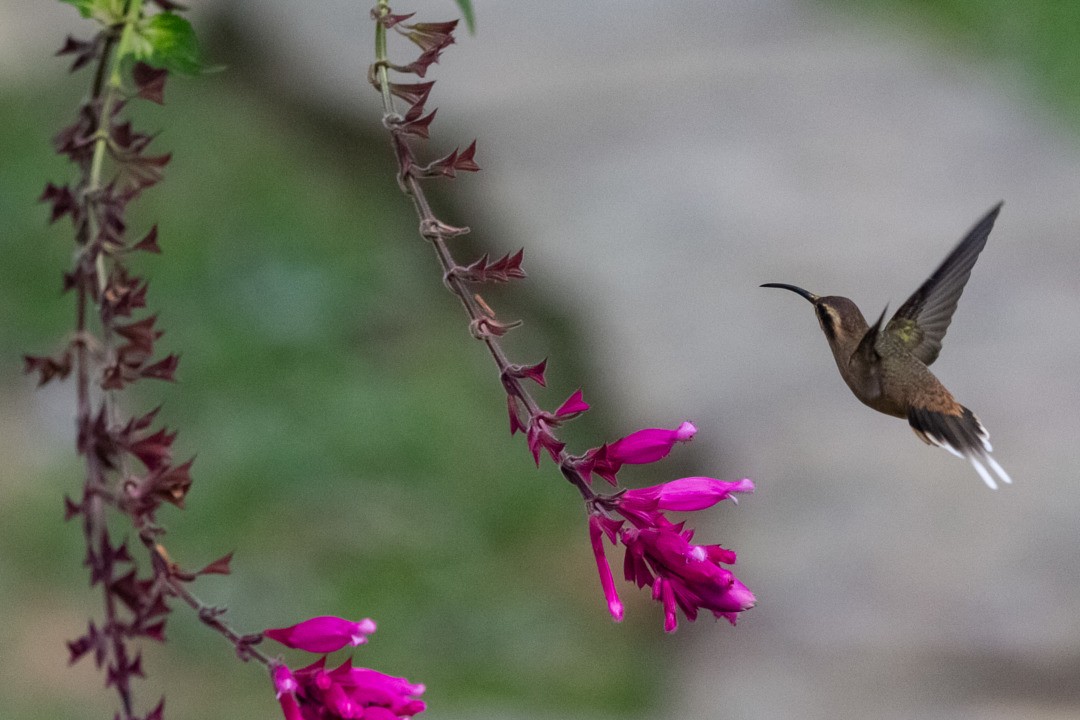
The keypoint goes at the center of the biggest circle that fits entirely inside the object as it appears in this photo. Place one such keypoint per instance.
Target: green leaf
(85, 7)
(169, 42)
(107, 11)
(467, 13)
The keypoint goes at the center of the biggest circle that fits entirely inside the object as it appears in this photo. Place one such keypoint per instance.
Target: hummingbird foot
(963, 435)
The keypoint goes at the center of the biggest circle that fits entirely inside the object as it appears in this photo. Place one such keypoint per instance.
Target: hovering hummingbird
(886, 367)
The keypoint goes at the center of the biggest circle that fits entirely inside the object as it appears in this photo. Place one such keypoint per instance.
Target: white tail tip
(983, 473)
(977, 463)
(999, 470)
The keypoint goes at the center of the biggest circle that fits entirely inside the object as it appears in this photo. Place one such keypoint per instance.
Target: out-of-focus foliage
(1040, 38)
(467, 14)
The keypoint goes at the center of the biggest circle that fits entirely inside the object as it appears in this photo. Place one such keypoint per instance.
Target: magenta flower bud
(649, 445)
(643, 446)
(323, 634)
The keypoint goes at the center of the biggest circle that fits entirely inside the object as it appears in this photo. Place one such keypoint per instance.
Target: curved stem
(430, 227)
(209, 615)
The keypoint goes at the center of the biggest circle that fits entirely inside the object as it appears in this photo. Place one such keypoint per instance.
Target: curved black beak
(795, 289)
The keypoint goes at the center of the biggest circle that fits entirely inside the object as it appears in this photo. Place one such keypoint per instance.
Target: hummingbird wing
(920, 323)
(866, 351)
(865, 362)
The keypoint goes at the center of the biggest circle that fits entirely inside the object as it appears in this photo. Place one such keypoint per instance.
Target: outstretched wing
(921, 322)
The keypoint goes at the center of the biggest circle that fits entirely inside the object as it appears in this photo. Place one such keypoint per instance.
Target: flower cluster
(316, 693)
(659, 553)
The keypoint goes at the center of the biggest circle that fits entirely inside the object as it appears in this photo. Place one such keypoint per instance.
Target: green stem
(382, 58)
(132, 15)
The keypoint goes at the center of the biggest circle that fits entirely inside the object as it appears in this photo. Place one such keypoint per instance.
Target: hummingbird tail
(961, 434)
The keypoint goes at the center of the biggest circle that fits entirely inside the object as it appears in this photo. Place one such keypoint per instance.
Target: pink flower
(316, 693)
(649, 445)
(644, 446)
(285, 685)
(323, 634)
(684, 575)
(599, 525)
(683, 495)
(660, 554)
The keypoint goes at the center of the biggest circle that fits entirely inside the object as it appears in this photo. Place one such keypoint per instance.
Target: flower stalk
(112, 348)
(114, 345)
(659, 552)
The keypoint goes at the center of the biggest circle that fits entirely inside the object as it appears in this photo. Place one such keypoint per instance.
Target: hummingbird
(887, 367)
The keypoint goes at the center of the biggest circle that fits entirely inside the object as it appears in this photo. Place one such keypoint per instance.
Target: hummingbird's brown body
(896, 382)
(886, 368)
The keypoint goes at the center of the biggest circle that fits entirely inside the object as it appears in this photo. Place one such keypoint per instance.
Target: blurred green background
(1038, 39)
(352, 441)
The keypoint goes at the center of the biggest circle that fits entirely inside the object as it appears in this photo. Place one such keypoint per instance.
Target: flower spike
(659, 554)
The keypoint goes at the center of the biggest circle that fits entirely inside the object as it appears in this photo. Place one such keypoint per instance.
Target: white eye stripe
(828, 319)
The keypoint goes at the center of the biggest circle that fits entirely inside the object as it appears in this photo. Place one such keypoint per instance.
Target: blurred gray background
(658, 162)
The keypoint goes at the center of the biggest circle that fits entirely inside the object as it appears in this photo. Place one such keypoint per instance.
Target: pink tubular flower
(639, 448)
(316, 693)
(346, 692)
(689, 576)
(286, 686)
(323, 634)
(599, 525)
(659, 553)
(683, 495)
(649, 445)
